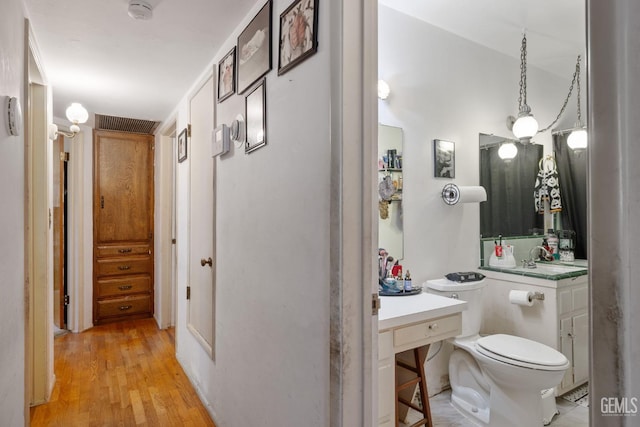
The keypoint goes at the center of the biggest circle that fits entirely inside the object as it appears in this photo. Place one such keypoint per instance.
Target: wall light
(383, 89)
(76, 114)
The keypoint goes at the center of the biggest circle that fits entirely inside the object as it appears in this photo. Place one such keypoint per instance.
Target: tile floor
(445, 415)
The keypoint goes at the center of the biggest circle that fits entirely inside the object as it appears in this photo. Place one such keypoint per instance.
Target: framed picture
(256, 114)
(444, 159)
(254, 49)
(226, 75)
(182, 146)
(298, 34)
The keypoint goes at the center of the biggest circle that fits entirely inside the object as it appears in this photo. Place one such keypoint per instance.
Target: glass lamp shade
(383, 89)
(577, 139)
(525, 127)
(76, 113)
(507, 151)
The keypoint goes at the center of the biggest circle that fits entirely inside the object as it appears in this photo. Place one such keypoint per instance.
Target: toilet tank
(471, 292)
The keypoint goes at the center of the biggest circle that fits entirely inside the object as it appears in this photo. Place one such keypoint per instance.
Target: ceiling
(555, 29)
(95, 54)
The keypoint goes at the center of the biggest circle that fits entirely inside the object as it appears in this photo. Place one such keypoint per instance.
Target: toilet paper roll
(452, 194)
(521, 297)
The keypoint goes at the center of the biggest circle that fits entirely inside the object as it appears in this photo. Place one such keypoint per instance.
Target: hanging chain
(523, 73)
(576, 77)
(578, 89)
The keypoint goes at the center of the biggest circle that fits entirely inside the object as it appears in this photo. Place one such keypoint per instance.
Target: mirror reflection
(390, 186)
(510, 184)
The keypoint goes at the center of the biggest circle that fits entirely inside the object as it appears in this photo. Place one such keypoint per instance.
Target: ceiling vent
(123, 124)
(139, 9)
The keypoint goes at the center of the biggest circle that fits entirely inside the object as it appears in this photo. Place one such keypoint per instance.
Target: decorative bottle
(407, 282)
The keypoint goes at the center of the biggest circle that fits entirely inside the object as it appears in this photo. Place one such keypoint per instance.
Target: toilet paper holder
(537, 296)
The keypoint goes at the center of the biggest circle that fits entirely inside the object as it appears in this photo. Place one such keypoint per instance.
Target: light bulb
(507, 151)
(383, 89)
(525, 127)
(76, 113)
(577, 139)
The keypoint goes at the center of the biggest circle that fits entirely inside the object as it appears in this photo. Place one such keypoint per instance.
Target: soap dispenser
(407, 282)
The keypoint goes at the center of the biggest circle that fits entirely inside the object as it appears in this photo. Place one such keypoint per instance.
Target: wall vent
(123, 124)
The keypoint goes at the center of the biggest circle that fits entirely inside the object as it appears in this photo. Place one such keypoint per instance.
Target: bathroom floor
(445, 415)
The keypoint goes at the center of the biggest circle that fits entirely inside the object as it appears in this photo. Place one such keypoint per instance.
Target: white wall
(272, 291)
(12, 194)
(447, 87)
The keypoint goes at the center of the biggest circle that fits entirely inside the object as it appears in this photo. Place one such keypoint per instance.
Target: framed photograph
(256, 114)
(444, 159)
(254, 49)
(226, 75)
(298, 34)
(182, 146)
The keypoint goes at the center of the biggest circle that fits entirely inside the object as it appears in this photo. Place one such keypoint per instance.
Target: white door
(202, 219)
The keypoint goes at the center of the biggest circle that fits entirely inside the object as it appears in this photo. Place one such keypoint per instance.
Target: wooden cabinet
(122, 226)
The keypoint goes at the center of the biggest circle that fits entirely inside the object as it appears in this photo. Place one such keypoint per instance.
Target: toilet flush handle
(454, 296)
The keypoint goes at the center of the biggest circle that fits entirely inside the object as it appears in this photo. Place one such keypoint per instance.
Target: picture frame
(444, 159)
(254, 49)
(227, 75)
(182, 146)
(298, 34)
(256, 117)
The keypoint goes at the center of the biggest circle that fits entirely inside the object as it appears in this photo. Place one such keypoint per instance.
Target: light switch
(220, 140)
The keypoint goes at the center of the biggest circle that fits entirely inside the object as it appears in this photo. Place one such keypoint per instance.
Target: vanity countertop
(546, 270)
(402, 310)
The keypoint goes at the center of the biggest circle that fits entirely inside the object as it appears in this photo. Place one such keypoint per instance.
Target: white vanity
(560, 321)
(406, 322)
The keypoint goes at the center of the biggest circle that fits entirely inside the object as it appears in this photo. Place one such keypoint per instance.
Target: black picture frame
(256, 117)
(299, 20)
(444, 159)
(254, 49)
(227, 75)
(182, 146)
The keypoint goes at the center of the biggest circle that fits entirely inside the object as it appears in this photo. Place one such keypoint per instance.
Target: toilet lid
(521, 351)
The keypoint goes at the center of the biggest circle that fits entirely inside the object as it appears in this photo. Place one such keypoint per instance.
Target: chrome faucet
(531, 262)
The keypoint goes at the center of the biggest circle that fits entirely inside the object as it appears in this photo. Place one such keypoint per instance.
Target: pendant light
(525, 126)
(577, 139)
(507, 151)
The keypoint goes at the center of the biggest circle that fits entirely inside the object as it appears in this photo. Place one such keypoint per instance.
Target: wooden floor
(120, 374)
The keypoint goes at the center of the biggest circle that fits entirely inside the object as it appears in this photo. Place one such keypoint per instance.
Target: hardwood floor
(120, 374)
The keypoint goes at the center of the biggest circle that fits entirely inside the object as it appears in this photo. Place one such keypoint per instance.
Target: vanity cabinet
(560, 321)
(405, 323)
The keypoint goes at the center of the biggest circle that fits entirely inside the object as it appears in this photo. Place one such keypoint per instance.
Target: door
(200, 317)
(59, 227)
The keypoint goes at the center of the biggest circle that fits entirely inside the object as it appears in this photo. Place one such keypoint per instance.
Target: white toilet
(496, 380)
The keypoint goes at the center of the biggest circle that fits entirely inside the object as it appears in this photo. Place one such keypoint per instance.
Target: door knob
(208, 261)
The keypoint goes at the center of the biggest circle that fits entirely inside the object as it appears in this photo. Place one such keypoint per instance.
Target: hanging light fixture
(507, 151)
(577, 139)
(525, 126)
(76, 114)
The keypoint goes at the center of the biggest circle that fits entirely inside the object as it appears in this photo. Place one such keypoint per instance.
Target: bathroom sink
(552, 269)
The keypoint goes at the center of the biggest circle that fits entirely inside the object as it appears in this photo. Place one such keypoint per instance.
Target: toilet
(496, 380)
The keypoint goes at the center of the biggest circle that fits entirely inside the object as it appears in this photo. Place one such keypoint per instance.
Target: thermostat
(220, 140)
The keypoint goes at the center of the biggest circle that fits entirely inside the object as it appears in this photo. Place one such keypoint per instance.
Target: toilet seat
(521, 352)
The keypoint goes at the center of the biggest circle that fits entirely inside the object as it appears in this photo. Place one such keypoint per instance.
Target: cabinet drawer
(124, 265)
(134, 304)
(122, 250)
(426, 332)
(123, 286)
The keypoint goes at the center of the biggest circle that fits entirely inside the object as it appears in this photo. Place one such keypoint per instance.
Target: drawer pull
(125, 287)
(124, 267)
(125, 307)
(433, 326)
(124, 251)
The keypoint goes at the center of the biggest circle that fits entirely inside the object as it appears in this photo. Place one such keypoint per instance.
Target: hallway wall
(12, 194)
(271, 363)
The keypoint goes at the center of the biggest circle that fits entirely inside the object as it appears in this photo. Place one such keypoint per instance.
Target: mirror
(509, 209)
(390, 227)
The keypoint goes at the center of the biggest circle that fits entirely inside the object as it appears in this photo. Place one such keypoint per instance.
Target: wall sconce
(76, 114)
(383, 90)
